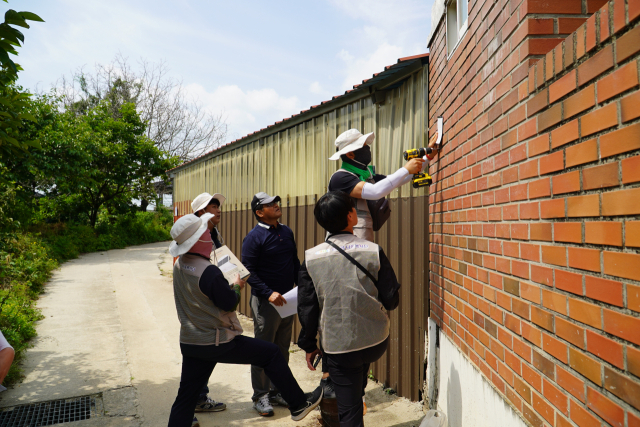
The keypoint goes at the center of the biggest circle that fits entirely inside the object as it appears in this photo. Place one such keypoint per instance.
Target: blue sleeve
(214, 285)
(250, 257)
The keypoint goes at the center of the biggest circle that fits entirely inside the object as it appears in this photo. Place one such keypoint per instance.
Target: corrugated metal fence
(293, 164)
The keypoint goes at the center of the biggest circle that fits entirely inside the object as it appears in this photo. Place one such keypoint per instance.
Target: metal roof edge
(410, 65)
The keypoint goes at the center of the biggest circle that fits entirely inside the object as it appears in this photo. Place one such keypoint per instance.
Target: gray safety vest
(364, 228)
(201, 322)
(351, 316)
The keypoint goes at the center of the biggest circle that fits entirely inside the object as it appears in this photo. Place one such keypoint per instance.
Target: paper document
(291, 307)
(227, 262)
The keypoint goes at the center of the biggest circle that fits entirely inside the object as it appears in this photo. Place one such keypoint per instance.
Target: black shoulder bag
(380, 212)
(354, 262)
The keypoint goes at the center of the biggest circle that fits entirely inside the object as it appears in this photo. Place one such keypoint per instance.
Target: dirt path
(110, 327)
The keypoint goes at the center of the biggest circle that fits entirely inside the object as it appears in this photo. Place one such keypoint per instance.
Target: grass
(28, 258)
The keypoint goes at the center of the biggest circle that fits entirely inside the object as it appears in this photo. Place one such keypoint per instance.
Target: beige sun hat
(351, 140)
(202, 200)
(186, 232)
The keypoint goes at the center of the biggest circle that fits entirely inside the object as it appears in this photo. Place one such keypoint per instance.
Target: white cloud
(389, 30)
(246, 111)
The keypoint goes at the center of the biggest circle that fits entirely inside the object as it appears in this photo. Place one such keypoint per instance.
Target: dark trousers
(348, 372)
(198, 362)
(268, 326)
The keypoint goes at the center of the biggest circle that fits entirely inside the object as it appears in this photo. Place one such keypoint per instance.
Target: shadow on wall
(454, 399)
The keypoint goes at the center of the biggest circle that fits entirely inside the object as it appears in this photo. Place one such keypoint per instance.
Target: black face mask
(362, 157)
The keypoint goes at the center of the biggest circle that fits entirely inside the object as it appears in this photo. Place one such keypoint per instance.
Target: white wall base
(466, 397)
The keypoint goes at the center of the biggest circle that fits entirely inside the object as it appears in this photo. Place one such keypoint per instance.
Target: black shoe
(327, 387)
(312, 400)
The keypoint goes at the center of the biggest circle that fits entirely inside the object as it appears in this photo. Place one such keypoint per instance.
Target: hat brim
(356, 145)
(176, 249)
(269, 200)
(205, 203)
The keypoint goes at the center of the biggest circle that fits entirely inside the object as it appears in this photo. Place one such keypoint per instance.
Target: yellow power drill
(423, 179)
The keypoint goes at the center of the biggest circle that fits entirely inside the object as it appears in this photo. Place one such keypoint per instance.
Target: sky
(255, 62)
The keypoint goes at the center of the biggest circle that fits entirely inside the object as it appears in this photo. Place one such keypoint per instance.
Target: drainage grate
(50, 413)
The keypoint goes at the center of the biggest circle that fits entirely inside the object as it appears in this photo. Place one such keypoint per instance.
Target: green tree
(96, 160)
(13, 102)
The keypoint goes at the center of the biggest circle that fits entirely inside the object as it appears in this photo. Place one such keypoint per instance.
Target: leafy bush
(28, 258)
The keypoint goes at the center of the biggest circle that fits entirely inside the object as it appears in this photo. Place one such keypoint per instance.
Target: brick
(605, 31)
(586, 365)
(532, 377)
(528, 169)
(584, 259)
(542, 318)
(557, 397)
(549, 117)
(519, 231)
(527, 129)
(570, 282)
(622, 265)
(599, 120)
(571, 383)
(585, 312)
(517, 192)
(540, 188)
(566, 183)
(552, 209)
(579, 154)
(600, 176)
(554, 347)
(630, 107)
(569, 54)
(537, 103)
(620, 141)
(511, 286)
(562, 86)
(633, 361)
(580, 102)
(582, 206)
(581, 47)
(541, 231)
(634, 9)
(555, 255)
(612, 413)
(532, 417)
(621, 80)
(605, 349)
(546, 7)
(594, 5)
(538, 46)
(623, 202)
(596, 65)
(543, 408)
(530, 252)
(569, 25)
(631, 170)
(570, 332)
(557, 52)
(591, 32)
(581, 417)
(554, 301)
(609, 291)
(621, 325)
(520, 308)
(632, 233)
(623, 387)
(531, 334)
(628, 45)
(544, 365)
(542, 275)
(603, 233)
(552, 163)
(634, 420)
(570, 232)
(564, 134)
(538, 145)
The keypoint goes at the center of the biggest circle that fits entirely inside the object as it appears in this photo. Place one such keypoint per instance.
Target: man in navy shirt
(269, 253)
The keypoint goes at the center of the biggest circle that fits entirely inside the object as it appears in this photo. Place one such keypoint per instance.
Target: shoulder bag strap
(354, 262)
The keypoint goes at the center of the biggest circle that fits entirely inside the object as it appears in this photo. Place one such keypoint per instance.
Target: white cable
(382, 188)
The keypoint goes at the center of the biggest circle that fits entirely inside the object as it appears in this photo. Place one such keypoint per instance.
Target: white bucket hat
(202, 200)
(186, 232)
(351, 140)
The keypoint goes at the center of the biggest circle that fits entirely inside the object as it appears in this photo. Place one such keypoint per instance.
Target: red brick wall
(535, 207)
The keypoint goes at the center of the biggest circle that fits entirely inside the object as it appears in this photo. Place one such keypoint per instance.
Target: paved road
(110, 326)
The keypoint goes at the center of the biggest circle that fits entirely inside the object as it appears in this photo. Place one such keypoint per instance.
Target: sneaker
(278, 400)
(263, 406)
(195, 422)
(210, 405)
(312, 401)
(327, 388)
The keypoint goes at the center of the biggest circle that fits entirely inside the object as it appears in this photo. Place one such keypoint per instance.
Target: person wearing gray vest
(345, 303)
(210, 332)
(357, 178)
